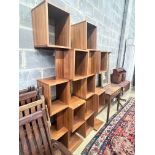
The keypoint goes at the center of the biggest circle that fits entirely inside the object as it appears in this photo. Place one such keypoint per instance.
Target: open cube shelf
(93, 62)
(84, 88)
(76, 115)
(59, 101)
(59, 125)
(99, 99)
(74, 141)
(51, 26)
(90, 86)
(83, 35)
(104, 61)
(90, 107)
(76, 64)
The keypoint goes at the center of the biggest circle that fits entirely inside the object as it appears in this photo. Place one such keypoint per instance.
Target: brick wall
(107, 15)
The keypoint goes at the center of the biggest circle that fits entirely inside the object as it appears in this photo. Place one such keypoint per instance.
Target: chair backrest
(34, 134)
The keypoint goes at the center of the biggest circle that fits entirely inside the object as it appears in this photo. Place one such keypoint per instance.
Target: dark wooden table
(112, 91)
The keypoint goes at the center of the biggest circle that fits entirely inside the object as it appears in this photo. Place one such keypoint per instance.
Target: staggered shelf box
(84, 88)
(104, 61)
(90, 107)
(61, 100)
(83, 35)
(93, 62)
(59, 126)
(51, 27)
(99, 99)
(76, 113)
(76, 64)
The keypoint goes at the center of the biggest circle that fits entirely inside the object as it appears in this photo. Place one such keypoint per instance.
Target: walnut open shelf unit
(83, 35)
(72, 98)
(51, 27)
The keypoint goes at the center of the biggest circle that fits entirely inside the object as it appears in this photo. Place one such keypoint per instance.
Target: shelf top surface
(57, 106)
(56, 134)
(89, 94)
(76, 102)
(52, 81)
(79, 77)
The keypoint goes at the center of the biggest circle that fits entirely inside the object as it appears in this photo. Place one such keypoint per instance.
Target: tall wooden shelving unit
(72, 97)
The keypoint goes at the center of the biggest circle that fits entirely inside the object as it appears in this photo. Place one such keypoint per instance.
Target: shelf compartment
(51, 27)
(59, 125)
(93, 62)
(84, 88)
(74, 142)
(97, 124)
(99, 102)
(57, 94)
(87, 127)
(76, 117)
(83, 35)
(90, 86)
(76, 64)
(104, 62)
(90, 107)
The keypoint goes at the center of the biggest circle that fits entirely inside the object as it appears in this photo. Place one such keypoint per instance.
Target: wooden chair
(37, 127)
(35, 138)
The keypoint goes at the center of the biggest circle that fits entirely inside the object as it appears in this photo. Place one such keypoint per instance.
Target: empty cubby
(57, 93)
(74, 141)
(90, 86)
(51, 26)
(83, 35)
(90, 107)
(93, 62)
(59, 125)
(104, 61)
(76, 117)
(76, 64)
(87, 127)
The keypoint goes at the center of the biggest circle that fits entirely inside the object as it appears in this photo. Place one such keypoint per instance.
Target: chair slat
(37, 133)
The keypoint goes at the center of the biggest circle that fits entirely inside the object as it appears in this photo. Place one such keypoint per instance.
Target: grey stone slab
(25, 38)
(25, 16)
(49, 72)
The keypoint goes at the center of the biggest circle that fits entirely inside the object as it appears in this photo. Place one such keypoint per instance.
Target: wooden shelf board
(88, 114)
(79, 77)
(99, 90)
(76, 102)
(89, 94)
(80, 50)
(57, 106)
(97, 123)
(52, 81)
(53, 46)
(77, 124)
(74, 142)
(56, 134)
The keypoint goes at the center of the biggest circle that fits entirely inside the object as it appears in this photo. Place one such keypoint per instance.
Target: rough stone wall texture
(107, 15)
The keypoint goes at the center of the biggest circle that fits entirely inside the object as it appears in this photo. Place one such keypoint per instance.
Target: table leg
(108, 109)
(118, 102)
